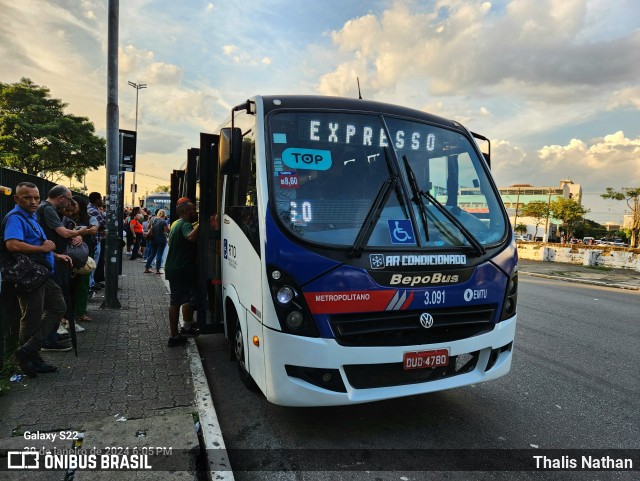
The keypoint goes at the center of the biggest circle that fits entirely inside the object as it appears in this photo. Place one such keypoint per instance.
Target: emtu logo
(23, 460)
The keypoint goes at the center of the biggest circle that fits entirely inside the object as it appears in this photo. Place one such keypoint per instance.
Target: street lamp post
(136, 86)
(112, 244)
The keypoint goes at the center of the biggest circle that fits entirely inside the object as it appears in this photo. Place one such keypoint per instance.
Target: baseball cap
(181, 200)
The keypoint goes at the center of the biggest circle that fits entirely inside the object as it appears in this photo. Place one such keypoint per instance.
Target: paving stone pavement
(124, 371)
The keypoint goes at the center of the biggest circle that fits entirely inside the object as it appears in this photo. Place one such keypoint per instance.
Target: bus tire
(238, 347)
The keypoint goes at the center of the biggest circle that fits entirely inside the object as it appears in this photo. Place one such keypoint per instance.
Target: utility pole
(515, 219)
(545, 238)
(136, 86)
(112, 243)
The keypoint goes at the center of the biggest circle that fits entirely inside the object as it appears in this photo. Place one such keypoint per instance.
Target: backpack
(158, 227)
(26, 272)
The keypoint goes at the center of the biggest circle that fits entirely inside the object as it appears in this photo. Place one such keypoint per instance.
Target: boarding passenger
(180, 271)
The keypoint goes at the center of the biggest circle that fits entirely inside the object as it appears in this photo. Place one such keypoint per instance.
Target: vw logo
(426, 320)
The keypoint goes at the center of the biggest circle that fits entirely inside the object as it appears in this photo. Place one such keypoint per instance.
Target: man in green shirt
(180, 271)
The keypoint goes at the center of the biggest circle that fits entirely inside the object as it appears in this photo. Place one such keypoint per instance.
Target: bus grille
(367, 376)
(395, 328)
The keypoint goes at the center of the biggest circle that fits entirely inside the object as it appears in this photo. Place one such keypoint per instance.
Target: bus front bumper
(303, 371)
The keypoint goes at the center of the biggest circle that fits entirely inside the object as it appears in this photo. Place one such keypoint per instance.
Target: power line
(153, 176)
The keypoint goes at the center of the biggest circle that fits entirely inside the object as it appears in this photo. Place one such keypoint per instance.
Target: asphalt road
(574, 384)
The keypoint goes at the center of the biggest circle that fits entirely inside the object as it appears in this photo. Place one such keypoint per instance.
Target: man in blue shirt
(43, 308)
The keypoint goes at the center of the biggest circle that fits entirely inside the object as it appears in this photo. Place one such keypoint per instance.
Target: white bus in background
(156, 201)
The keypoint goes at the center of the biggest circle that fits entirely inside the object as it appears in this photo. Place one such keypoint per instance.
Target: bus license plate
(425, 359)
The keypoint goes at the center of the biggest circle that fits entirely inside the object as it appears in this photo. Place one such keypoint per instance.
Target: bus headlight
(294, 320)
(285, 295)
(291, 308)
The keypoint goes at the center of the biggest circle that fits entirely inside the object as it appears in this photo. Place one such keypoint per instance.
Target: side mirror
(487, 154)
(230, 150)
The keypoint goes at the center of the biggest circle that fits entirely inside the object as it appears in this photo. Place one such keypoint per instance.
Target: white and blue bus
(156, 201)
(352, 268)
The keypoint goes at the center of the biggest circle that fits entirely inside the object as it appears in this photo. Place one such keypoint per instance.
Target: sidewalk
(619, 278)
(126, 389)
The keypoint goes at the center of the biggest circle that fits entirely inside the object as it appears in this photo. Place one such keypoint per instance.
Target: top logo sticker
(310, 159)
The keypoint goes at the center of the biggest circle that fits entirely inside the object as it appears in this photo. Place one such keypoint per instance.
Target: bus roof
(351, 104)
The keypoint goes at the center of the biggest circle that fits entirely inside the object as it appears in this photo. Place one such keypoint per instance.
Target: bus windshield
(155, 202)
(329, 168)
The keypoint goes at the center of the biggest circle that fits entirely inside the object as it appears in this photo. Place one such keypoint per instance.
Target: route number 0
(307, 216)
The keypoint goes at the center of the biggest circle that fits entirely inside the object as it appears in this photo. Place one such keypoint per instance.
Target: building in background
(516, 196)
(613, 226)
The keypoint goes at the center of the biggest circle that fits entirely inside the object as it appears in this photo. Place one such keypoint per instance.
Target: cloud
(613, 160)
(229, 49)
(507, 161)
(243, 57)
(142, 64)
(532, 75)
(59, 47)
(460, 47)
(627, 97)
(160, 141)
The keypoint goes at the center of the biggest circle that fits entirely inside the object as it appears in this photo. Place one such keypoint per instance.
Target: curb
(582, 281)
(211, 432)
(221, 468)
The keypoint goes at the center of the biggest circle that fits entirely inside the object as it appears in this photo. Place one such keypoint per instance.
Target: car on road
(520, 238)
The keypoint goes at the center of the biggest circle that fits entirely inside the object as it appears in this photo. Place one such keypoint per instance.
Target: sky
(553, 83)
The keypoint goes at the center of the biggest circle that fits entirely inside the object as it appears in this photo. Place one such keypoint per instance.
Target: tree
(38, 138)
(589, 228)
(162, 188)
(569, 212)
(520, 229)
(538, 211)
(632, 197)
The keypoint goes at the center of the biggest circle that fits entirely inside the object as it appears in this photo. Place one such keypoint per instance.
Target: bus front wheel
(238, 347)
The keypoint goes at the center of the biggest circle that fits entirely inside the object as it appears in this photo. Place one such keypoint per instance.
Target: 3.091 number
(434, 298)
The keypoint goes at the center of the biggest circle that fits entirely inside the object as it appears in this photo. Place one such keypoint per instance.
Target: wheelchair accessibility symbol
(401, 232)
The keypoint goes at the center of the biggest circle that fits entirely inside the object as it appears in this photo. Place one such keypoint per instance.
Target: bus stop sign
(128, 157)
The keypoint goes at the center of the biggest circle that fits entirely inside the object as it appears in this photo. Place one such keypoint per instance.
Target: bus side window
(242, 198)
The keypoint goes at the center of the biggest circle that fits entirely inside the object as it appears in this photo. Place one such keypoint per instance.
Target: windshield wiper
(465, 232)
(415, 190)
(391, 183)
